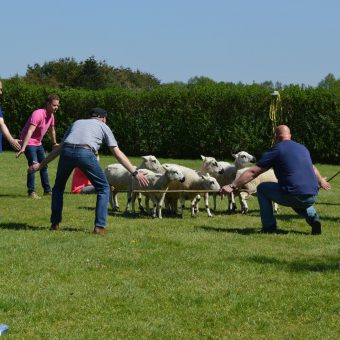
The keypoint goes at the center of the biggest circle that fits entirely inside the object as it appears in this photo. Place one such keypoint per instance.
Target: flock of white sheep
(170, 183)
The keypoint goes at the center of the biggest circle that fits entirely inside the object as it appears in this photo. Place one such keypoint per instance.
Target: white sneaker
(34, 196)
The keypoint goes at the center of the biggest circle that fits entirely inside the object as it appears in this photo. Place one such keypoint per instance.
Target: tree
(329, 82)
(91, 74)
(203, 81)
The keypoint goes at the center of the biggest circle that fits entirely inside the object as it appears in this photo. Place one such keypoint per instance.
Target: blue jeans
(36, 154)
(86, 161)
(271, 192)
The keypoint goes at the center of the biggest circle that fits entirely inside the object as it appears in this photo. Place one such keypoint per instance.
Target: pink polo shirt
(42, 120)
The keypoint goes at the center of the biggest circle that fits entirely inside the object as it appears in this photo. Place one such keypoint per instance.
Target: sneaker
(99, 230)
(316, 226)
(34, 195)
(48, 193)
(54, 227)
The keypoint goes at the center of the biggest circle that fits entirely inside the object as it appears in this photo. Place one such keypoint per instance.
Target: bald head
(282, 132)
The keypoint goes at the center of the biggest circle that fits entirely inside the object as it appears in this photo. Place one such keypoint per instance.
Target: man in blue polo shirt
(298, 181)
(15, 143)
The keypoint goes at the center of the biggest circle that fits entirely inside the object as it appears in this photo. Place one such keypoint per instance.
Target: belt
(78, 146)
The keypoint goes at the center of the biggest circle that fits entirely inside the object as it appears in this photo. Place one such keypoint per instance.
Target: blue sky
(291, 41)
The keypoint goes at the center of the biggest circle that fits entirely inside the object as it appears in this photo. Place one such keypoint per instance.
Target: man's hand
(324, 184)
(33, 168)
(142, 179)
(227, 189)
(20, 153)
(55, 145)
(16, 144)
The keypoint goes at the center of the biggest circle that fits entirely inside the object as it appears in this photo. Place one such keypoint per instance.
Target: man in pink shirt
(40, 122)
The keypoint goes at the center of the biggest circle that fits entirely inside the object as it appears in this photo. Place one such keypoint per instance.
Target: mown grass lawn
(174, 278)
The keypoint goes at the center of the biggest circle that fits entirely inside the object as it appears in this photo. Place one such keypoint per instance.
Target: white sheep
(228, 173)
(193, 181)
(119, 178)
(211, 166)
(156, 182)
(251, 187)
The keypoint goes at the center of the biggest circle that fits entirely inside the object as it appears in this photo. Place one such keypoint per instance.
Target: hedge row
(187, 121)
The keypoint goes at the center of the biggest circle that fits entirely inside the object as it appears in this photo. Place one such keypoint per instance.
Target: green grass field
(202, 278)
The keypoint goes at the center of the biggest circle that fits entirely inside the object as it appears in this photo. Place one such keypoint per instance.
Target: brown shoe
(54, 227)
(48, 193)
(99, 230)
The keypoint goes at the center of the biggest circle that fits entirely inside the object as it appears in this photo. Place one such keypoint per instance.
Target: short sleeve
(36, 118)
(267, 160)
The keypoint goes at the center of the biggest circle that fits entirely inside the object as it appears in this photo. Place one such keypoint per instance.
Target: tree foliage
(88, 74)
(330, 83)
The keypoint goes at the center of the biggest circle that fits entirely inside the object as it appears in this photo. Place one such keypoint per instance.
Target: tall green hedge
(189, 121)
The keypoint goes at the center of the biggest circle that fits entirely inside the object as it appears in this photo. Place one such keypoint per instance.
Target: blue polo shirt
(1, 116)
(292, 166)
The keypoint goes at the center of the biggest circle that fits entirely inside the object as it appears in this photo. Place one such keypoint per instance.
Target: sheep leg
(133, 199)
(206, 201)
(111, 199)
(182, 205)
(174, 204)
(116, 204)
(171, 204)
(275, 207)
(197, 202)
(215, 199)
(128, 201)
(243, 202)
(167, 205)
(140, 202)
(159, 205)
(192, 206)
(147, 204)
(154, 209)
(231, 203)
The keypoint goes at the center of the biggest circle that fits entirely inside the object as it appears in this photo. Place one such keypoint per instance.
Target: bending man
(77, 150)
(297, 185)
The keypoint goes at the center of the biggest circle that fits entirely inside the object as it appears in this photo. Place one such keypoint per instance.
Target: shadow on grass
(119, 213)
(286, 217)
(293, 216)
(226, 213)
(278, 216)
(25, 226)
(314, 265)
(87, 208)
(327, 203)
(20, 226)
(242, 231)
(141, 215)
(13, 195)
(248, 231)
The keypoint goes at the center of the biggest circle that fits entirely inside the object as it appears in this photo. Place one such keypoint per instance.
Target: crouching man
(298, 181)
(77, 150)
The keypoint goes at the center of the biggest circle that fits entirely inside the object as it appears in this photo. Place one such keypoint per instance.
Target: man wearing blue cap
(77, 150)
